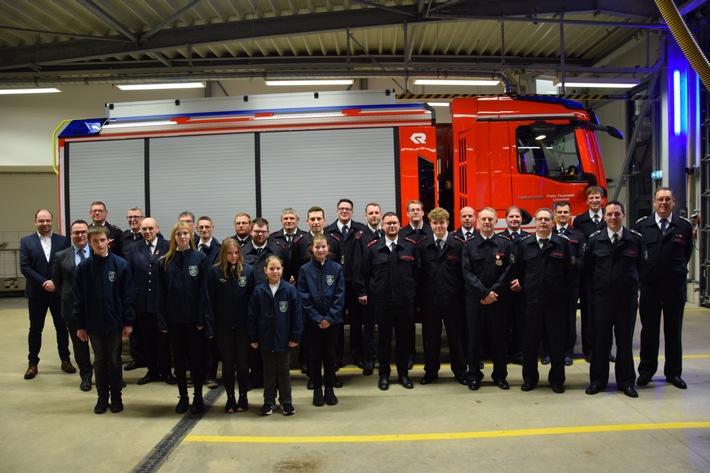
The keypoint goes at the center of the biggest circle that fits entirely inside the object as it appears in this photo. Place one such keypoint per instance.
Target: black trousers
(437, 316)
(276, 377)
(613, 319)
(156, 351)
(38, 313)
(81, 351)
(397, 319)
(107, 362)
(234, 347)
(188, 343)
(322, 353)
(487, 322)
(548, 319)
(670, 301)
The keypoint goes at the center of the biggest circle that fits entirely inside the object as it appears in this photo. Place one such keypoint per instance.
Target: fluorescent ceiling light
(175, 85)
(33, 90)
(478, 82)
(438, 104)
(599, 82)
(138, 124)
(291, 83)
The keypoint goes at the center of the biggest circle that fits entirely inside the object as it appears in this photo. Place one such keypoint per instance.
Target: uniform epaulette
(335, 235)
(412, 241)
(358, 235)
(506, 237)
(297, 238)
(635, 233)
(642, 218)
(563, 236)
(373, 242)
(461, 239)
(525, 237)
(686, 219)
(596, 233)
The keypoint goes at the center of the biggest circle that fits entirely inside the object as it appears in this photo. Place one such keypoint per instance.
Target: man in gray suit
(65, 262)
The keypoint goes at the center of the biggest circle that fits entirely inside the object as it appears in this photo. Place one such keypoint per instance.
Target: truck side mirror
(614, 133)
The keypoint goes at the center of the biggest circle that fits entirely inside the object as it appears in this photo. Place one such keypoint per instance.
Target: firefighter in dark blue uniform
(488, 268)
(390, 269)
(669, 242)
(545, 264)
(441, 284)
(613, 259)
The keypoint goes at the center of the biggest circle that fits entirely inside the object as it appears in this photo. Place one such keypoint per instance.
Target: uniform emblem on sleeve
(112, 276)
(242, 281)
(192, 270)
(283, 306)
(329, 279)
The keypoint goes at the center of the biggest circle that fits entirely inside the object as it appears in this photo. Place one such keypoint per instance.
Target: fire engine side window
(548, 150)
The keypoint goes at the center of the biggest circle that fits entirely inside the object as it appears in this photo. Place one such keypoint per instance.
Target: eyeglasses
(543, 219)
(344, 209)
(204, 227)
(147, 229)
(79, 232)
(134, 217)
(664, 199)
(260, 232)
(97, 211)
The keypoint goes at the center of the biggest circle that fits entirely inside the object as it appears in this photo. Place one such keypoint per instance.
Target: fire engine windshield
(549, 150)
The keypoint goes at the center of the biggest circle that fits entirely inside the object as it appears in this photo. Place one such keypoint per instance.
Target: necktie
(468, 235)
(596, 219)
(440, 245)
(378, 233)
(151, 247)
(515, 236)
(543, 242)
(664, 225)
(81, 254)
(393, 247)
(289, 238)
(345, 231)
(615, 239)
(258, 251)
(203, 248)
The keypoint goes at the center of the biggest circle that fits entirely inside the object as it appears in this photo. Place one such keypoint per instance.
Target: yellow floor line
(448, 436)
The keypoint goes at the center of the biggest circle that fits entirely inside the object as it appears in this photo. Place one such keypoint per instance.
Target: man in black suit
(467, 216)
(289, 231)
(133, 234)
(208, 245)
(98, 213)
(589, 222)
(347, 233)
(143, 261)
(242, 228)
(669, 243)
(65, 262)
(37, 253)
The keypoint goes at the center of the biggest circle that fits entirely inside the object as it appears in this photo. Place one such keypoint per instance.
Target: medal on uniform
(499, 262)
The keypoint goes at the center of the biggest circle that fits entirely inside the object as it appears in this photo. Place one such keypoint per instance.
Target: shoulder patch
(358, 235)
(373, 242)
(412, 241)
(505, 237)
(595, 233)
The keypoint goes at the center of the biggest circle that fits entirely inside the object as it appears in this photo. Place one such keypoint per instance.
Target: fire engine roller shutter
(108, 171)
(300, 169)
(209, 175)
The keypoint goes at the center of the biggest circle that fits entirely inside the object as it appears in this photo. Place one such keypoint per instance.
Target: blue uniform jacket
(181, 289)
(322, 290)
(144, 267)
(103, 294)
(275, 320)
(227, 299)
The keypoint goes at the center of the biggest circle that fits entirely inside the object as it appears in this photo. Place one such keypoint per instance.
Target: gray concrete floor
(48, 424)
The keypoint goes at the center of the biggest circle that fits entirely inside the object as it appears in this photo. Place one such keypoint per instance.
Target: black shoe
(198, 405)
(149, 378)
(101, 405)
(266, 410)
(337, 383)
(133, 365)
(678, 382)
(474, 384)
(231, 406)
(568, 361)
(427, 379)
(527, 387)
(593, 389)
(85, 385)
(545, 360)
(169, 379)
(612, 358)
(310, 385)
(558, 388)
(631, 392)
(288, 409)
(461, 379)
(242, 403)
(503, 384)
(183, 405)
(643, 380)
(330, 398)
(360, 363)
(318, 400)
(369, 368)
(405, 381)
(116, 404)
(383, 383)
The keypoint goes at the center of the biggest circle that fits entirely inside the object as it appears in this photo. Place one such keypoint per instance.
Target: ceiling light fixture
(463, 82)
(598, 82)
(35, 90)
(167, 86)
(306, 82)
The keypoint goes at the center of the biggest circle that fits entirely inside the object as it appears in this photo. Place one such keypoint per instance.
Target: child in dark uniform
(275, 325)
